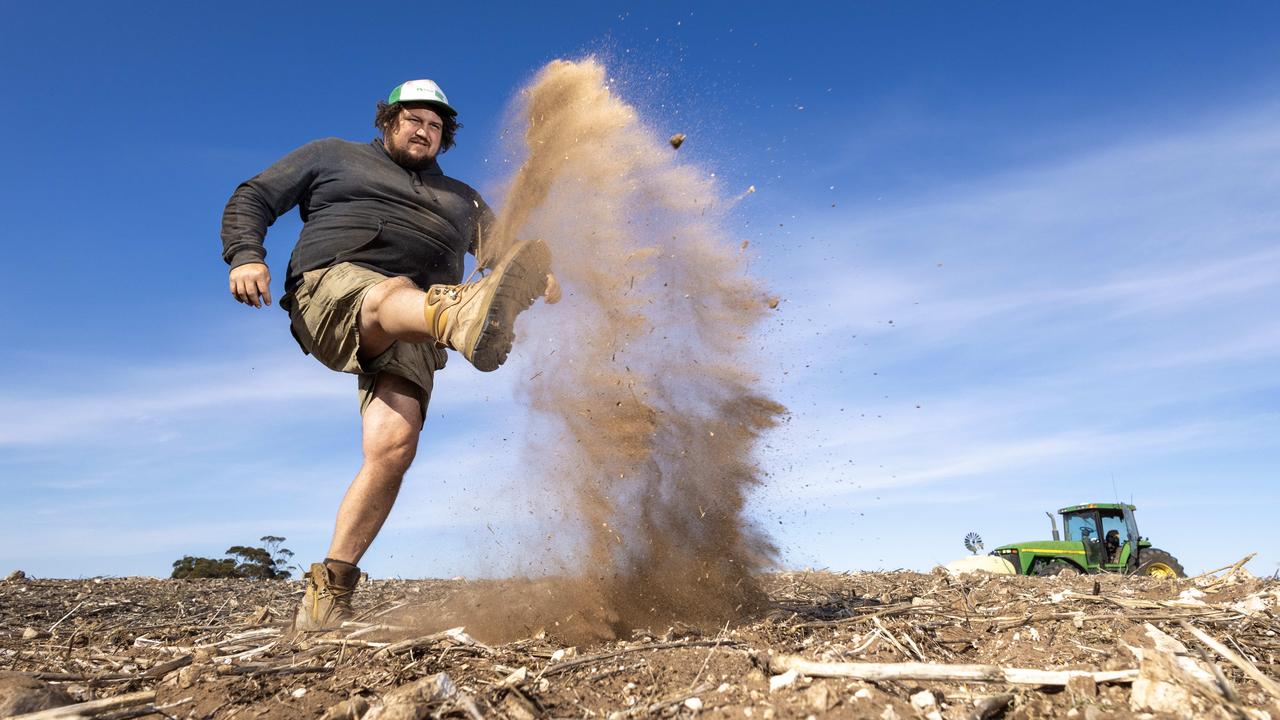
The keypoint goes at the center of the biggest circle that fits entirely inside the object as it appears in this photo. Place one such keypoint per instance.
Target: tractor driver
(1112, 544)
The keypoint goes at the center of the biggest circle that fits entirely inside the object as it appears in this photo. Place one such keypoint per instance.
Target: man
(381, 222)
(1111, 543)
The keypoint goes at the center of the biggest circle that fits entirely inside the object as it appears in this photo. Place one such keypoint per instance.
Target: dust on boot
(478, 319)
(327, 601)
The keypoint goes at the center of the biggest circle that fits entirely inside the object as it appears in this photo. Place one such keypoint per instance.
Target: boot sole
(523, 279)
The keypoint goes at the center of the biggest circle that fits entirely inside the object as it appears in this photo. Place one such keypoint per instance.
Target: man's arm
(253, 207)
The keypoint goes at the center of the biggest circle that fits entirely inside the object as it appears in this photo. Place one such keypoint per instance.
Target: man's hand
(552, 293)
(251, 284)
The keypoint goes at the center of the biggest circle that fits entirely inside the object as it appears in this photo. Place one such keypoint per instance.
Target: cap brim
(433, 104)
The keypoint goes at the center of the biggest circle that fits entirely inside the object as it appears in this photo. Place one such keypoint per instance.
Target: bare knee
(392, 423)
(390, 311)
(376, 297)
(393, 450)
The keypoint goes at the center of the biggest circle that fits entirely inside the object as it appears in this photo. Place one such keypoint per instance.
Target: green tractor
(1096, 538)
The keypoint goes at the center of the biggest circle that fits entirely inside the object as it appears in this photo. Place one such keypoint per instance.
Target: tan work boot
(327, 601)
(478, 319)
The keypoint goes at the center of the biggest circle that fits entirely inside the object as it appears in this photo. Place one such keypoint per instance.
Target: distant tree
(202, 567)
(280, 556)
(269, 562)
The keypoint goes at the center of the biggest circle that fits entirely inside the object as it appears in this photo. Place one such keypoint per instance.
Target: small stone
(1158, 696)
(693, 704)
(33, 634)
(1251, 605)
(187, 677)
(1073, 713)
(924, 701)
(724, 688)
(298, 693)
(558, 655)
(785, 680)
(862, 694)
(820, 698)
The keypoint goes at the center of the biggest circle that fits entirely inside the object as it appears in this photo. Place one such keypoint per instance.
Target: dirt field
(214, 648)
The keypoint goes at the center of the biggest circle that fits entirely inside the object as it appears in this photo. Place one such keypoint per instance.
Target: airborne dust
(642, 379)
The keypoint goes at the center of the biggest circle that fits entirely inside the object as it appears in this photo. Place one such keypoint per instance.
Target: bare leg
(391, 425)
(392, 310)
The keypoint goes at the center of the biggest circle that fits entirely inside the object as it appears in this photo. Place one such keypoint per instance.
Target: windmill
(973, 542)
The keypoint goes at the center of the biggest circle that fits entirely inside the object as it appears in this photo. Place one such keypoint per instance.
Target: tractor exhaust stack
(1053, 526)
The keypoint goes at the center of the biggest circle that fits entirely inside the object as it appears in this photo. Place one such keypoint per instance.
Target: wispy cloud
(1054, 322)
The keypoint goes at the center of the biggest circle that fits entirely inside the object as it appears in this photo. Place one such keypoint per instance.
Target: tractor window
(1115, 533)
(1081, 526)
(1116, 523)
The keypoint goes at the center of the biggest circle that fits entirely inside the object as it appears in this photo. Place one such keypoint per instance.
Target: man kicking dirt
(373, 289)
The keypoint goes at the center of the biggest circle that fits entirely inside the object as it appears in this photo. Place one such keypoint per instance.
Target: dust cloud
(642, 383)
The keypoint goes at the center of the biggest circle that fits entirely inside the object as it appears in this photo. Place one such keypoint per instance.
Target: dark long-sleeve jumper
(359, 206)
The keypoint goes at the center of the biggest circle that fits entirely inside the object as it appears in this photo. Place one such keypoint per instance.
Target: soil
(646, 411)
(221, 648)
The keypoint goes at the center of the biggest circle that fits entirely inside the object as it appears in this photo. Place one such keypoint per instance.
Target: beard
(400, 154)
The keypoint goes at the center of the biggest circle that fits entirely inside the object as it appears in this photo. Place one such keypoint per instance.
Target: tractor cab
(1097, 537)
(1107, 531)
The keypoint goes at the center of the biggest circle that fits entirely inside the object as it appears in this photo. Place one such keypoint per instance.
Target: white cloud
(1109, 310)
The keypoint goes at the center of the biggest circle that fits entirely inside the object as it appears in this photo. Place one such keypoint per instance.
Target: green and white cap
(423, 91)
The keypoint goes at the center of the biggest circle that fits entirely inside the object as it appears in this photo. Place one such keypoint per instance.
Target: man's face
(415, 140)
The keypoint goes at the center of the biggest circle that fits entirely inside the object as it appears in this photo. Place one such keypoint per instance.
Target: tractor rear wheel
(1158, 563)
(1058, 568)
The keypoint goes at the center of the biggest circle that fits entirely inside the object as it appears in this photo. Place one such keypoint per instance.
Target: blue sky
(1027, 256)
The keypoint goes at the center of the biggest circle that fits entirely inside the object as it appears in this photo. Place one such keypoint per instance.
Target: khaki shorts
(324, 310)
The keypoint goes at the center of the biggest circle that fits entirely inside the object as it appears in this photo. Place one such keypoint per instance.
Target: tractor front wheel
(1058, 568)
(1158, 563)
